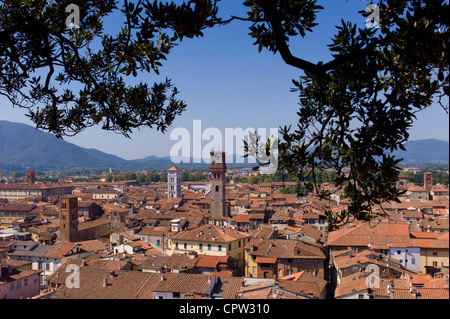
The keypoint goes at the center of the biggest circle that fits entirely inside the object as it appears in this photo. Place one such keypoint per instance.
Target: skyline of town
(218, 239)
(305, 160)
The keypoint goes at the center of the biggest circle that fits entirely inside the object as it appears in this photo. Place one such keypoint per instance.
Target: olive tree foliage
(354, 110)
(70, 78)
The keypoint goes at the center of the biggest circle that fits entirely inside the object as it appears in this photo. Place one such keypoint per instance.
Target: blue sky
(228, 84)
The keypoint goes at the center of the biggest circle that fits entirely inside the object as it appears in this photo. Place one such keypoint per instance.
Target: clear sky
(228, 84)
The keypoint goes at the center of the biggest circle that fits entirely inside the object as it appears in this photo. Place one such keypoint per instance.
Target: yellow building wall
(433, 257)
(234, 249)
(7, 218)
(250, 265)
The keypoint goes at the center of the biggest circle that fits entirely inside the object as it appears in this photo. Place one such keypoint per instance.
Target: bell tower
(174, 182)
(68, 218)
(218, 169)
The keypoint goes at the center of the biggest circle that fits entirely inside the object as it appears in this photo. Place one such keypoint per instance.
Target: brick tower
(427, 181)
(68, 218)
(174, 182)
(218, 169)
(31, 177)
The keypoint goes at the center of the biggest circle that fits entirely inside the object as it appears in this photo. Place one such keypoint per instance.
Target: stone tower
(218, 169)
(68, 218)
(428, 181)
(31, 177)
(174, 182)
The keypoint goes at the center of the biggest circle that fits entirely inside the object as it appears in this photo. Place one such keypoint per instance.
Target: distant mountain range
(425, 151)
(22, 147)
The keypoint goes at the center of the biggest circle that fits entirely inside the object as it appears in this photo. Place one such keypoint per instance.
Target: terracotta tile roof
(308, 285)
(60, 249)
(123, 285)
(384, 234)
(60, 275)
(228, 287)
(425, 235)
(206, 261)
(241, 218)
(211, 233)
(437, 283)
(265, 260)
(279, 248)
(347, 288)
(430, 243)
(17, 207)
(180, 262)
(183, 283)
(419, 279)
(420, 293)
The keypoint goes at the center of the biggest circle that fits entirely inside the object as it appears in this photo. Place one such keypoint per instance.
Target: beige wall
(234, 249)
(433, 257)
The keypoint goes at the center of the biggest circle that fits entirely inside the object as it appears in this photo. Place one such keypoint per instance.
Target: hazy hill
(425, 151)
(22, 146)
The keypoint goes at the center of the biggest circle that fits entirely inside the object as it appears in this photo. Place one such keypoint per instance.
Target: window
(200, 246)
(219, 247)
(185, 245)
(158, 242)
(176, 295)
(209, 246)
(361, 296)
(217, 188)
(229, 246)
(254, 269)
(413, 261)
(398, 252)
